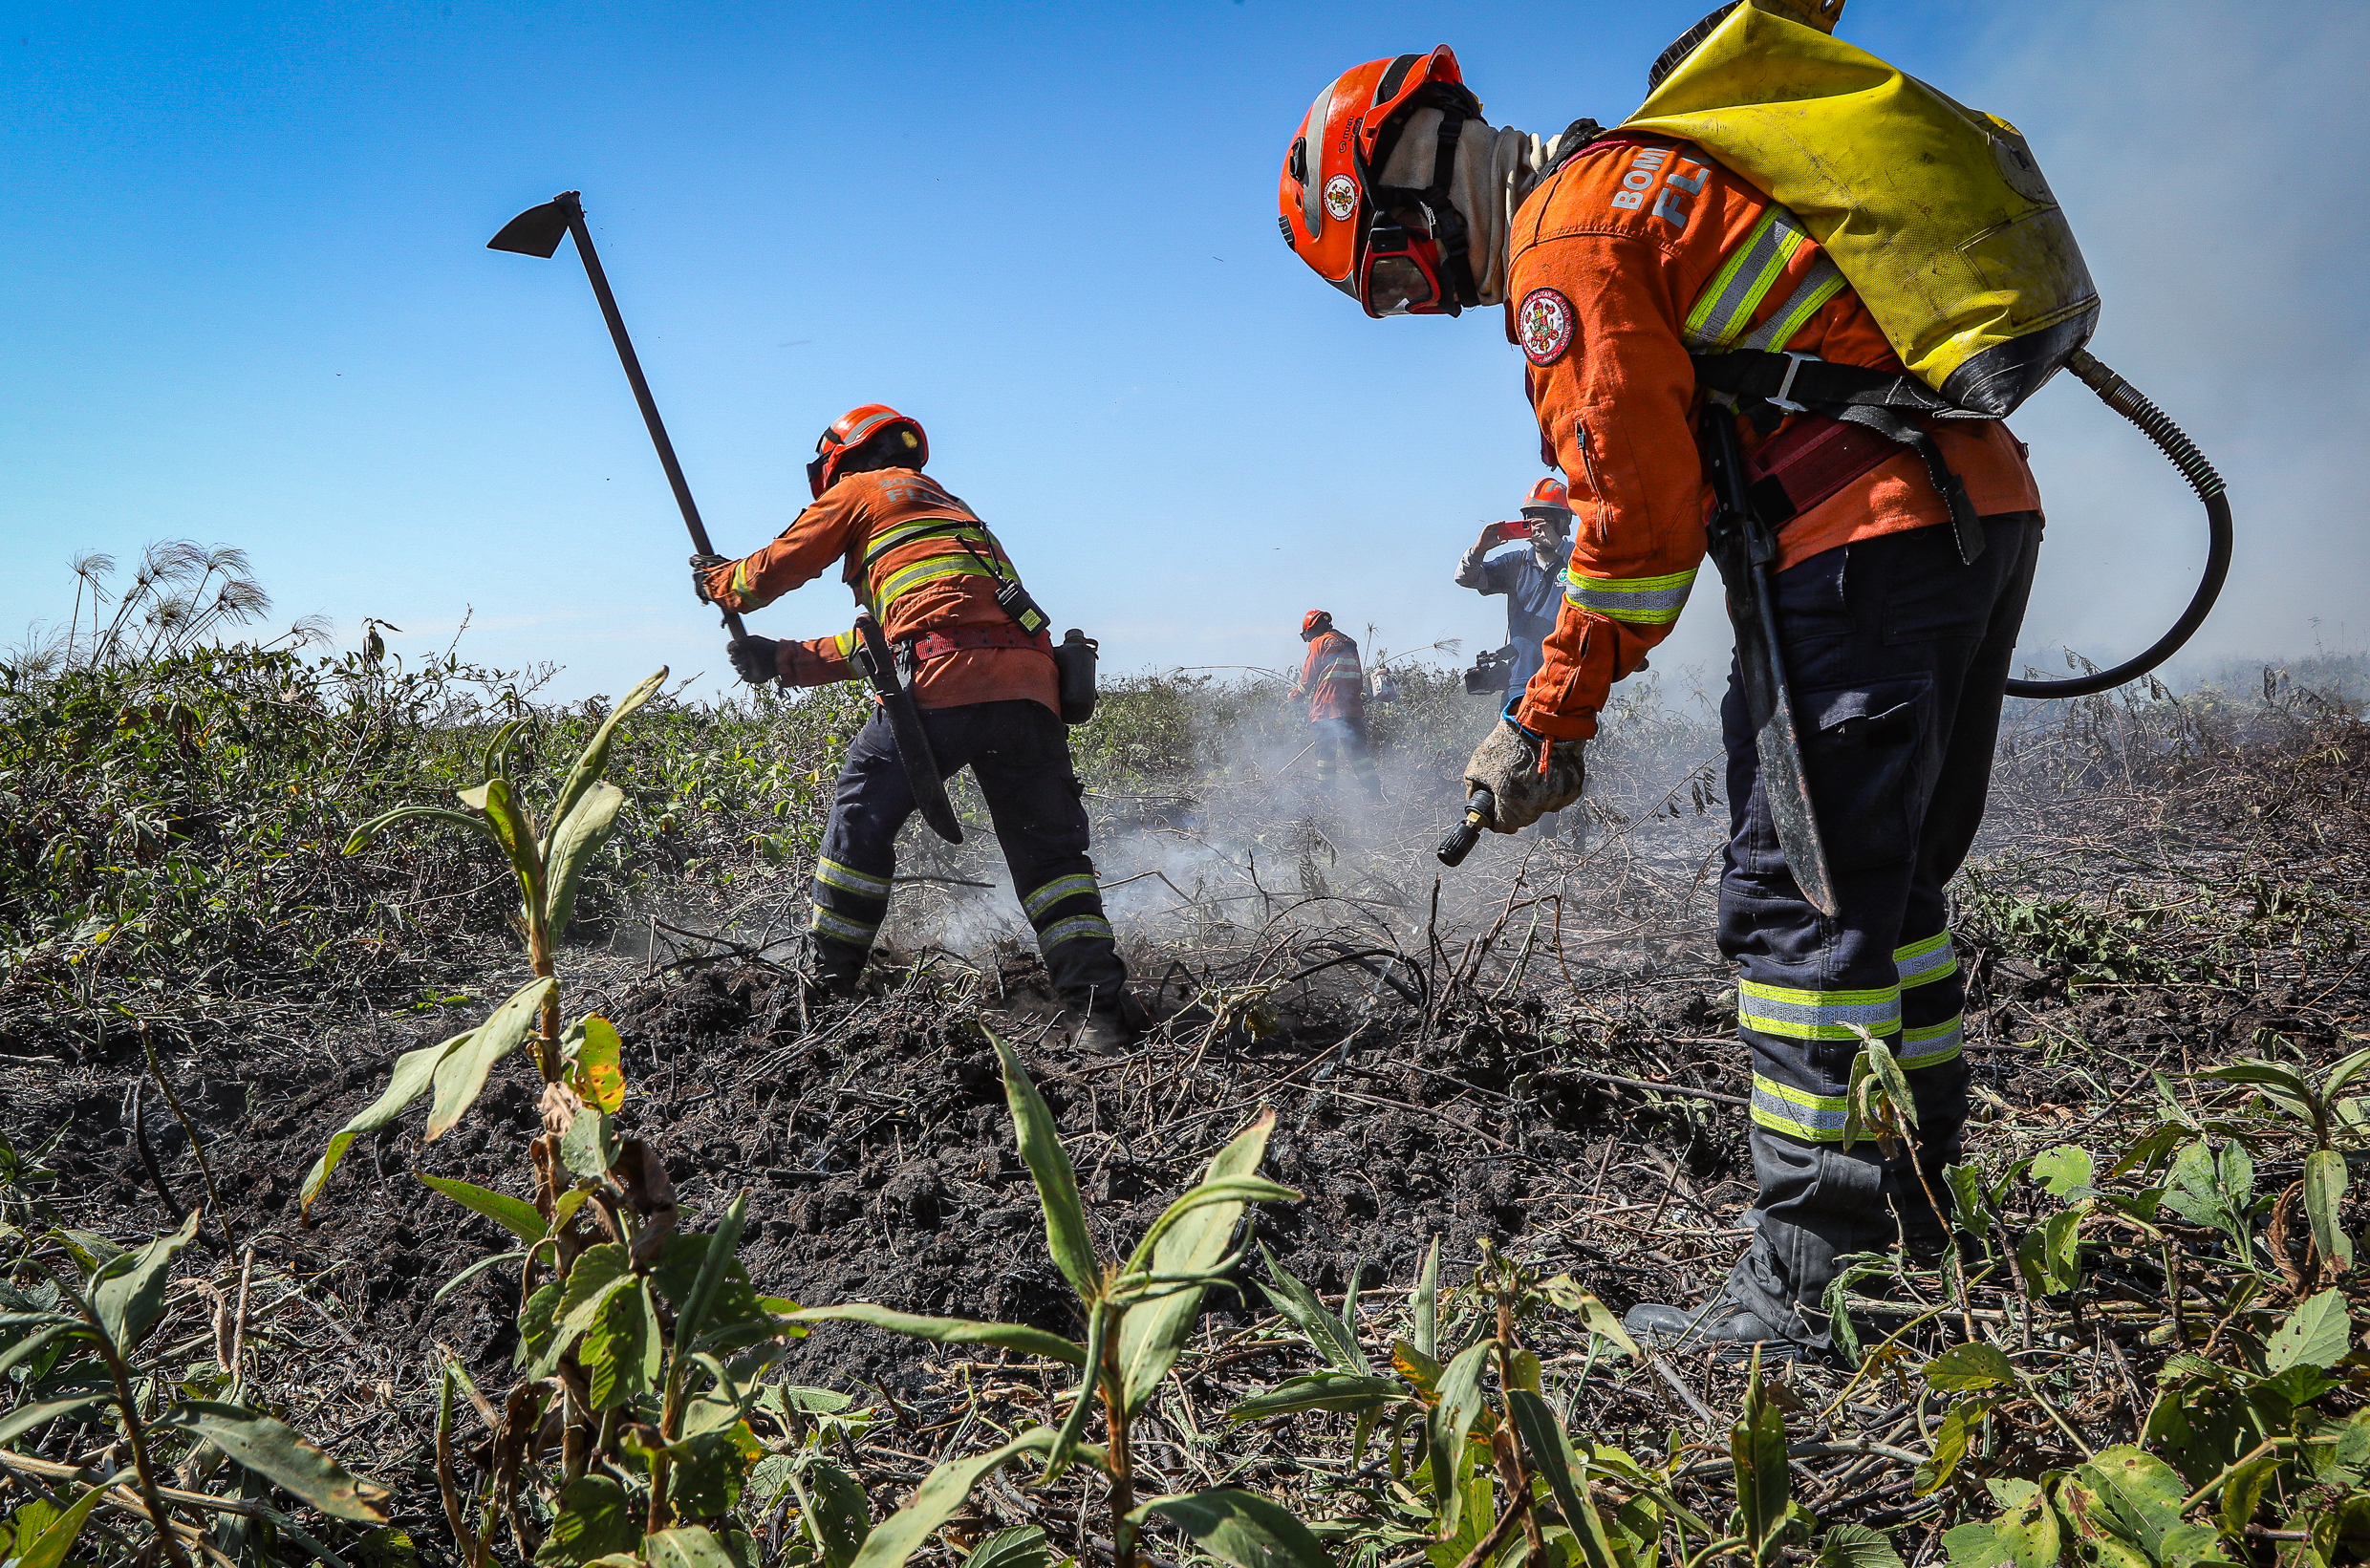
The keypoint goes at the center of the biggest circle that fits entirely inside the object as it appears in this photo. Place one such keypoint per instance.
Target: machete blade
(921, 768)
(535, 232)
(1788, 794)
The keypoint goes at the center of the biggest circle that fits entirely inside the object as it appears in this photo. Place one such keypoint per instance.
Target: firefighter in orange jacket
(1621, 261)
(1334, 683)
(929, 571)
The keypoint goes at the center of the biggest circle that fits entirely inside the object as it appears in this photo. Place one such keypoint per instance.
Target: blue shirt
(1534, 599)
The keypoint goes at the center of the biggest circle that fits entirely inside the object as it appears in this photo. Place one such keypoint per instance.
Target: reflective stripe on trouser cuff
(848, 879)
(1055, 891)
(1798, 1113)
(1922, 963)
(1640, 601)
(1070, 931)
(1933, 1044)
(1816, 1015)
(839, 928)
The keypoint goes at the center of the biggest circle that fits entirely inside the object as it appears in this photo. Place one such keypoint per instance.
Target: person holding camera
(1531, 579)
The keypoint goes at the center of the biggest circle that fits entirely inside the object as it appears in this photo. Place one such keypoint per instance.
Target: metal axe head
(538, 231)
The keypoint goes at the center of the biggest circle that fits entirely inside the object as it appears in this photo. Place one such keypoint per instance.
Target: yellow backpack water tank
(1937, 214)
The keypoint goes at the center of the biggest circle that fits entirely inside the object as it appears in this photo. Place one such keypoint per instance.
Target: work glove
(700, 567)
(1506, 764)
(755, 659)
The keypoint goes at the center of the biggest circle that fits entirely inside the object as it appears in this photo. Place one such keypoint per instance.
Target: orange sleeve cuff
(818, 661)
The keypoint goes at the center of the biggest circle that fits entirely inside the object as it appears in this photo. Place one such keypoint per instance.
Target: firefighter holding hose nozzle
(1334, 682)
(977, 664)
(1878, 558)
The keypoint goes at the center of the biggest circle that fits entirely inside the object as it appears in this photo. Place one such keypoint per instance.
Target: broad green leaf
(26, 1417)
(838, 1513)
(621, 1349)
(593, 762)
(1601, 1320)
(1965, 1368)
(1296, 1302)
(49, 1548)
(534, 1321)
(33, 1344)
(1550, 1447)
(1214, 1191)
(2317, 1334)
(1857, 1546)
(1448, 1425)
(2234, 1176)
(1029, 1341)
(1320, 1391)
(2062, 1169)
(1424, 1303)
(579, 835)
(595, 1072)
(2142, 1495)
(686, 1546)
(2343, 1072)
(460, 1077)
(1951, 1443)
(413, 1072)
(591, 1145)
(2324, 1198)
(714, 1263)
(127, 1293)
(516, 1215)
(942, 1494)
(2264, 1074)
(1239, 1528)
(274, 1451)
(378, 825)
(1048, 1165)
(1022, 1546)
(601, 1272)
(1153, 1333)
(711, 1467)
(1757, 1449)
(2049, 1255)
(2025, 1538)
(2243, 1495)
(596, 1517)
(517, 833)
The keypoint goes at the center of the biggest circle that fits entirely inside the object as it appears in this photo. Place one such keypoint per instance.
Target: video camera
(1490, 672)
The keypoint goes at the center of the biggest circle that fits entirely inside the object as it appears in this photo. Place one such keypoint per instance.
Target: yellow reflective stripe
(846, 643)
(1932, 1044)
(1070, 931)
(741, 579)
(1798, 1113)
(1055, 891)
(848, 879)
(943, 528)
(899, 582)
(825, 923)
(1823, 283)
(1639, 601)
(1923, 962)
(1743, 281)
(1816, 1015)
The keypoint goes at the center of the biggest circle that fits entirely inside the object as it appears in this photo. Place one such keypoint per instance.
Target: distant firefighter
(1334, 683)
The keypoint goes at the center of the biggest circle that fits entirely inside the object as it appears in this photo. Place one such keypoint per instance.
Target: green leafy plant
(1139, 1314)
(75, 1331)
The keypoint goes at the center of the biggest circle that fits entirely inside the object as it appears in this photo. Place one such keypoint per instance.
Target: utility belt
(1853, 419)
(923, 646)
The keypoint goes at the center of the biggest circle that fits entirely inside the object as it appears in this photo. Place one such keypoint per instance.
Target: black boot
(1726, 1326)
(836, 968)
(1107, 1028)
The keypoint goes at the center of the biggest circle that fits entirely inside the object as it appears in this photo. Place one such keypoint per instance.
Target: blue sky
(244, 297)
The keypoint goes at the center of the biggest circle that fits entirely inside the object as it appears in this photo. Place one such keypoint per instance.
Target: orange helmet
(852, 430)
(1547, 496)
(1316, 620)
(1397, 250)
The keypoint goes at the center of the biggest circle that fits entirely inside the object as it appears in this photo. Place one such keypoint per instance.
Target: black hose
(2126, 400)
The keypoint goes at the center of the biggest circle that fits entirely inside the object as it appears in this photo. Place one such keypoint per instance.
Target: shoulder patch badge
(1543, 323)
(1341, 198)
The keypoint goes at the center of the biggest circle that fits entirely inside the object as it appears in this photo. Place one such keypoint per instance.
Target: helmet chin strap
(1442, 220)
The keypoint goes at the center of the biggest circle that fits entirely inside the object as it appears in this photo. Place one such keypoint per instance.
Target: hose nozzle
(1480, 812)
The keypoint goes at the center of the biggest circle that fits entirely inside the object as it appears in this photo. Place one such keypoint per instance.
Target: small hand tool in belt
(870, 656)
(1744, 548)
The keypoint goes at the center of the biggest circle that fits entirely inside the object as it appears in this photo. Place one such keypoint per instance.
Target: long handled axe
(537, 232)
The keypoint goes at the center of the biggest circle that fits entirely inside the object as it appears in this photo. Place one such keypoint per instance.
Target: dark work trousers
(1019, 754)
(1896, 653)
(1338, 739)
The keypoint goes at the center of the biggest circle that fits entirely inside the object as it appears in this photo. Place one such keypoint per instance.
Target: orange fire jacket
(900, 541)
(1331, 679)
(1608, 257)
